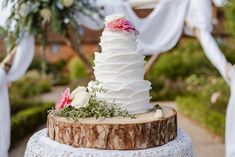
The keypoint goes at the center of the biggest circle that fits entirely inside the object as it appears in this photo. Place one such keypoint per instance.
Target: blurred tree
(230, 15)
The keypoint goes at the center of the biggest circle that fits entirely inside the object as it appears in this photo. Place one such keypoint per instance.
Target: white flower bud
(66, 20)
(158, 114)
(215, 96)
(68, 3)
(23, 10)
(45, 13)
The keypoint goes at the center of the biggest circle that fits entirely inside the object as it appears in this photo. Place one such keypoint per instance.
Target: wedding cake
(120, 67)
(114, 111)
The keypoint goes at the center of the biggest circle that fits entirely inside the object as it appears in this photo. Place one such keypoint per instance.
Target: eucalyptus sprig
(96, 108)
(36, 17)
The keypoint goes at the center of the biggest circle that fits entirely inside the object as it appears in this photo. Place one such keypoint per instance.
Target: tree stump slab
(117, 133)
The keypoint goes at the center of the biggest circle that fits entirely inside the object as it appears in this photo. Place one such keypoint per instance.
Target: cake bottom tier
(117, 133)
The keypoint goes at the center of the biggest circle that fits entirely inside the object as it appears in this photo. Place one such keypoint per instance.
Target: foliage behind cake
(36, 17)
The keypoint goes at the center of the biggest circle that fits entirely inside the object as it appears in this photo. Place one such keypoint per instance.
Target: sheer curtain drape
(22, 59)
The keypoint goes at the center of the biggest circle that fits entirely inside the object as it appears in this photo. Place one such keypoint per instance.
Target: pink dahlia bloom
(121, 24)
(65, 99)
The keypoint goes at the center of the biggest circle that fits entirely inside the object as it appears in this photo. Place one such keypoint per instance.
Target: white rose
(81, 100)
(158, 114)
(68, 3)
(77, 90)
(46, 15)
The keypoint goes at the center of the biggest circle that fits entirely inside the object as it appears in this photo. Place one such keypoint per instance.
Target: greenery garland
(37, 16)
(96, 108)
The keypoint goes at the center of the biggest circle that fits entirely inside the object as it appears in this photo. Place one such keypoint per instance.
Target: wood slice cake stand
(118, 133)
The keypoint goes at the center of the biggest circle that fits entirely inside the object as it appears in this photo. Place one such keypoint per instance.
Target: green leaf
(2, 31)
(9, 43)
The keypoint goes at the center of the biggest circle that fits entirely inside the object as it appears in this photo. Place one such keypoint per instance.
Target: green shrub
(57, 70)
(202, 113)
(172, 68)
(203, 88)
(19, 104)
(26, 121)
(200, 105)
(230, 18)
(185, 59)
(168, 74)
(31, 84)
(77, 69)
(228, 50)
(166, 89)
(1, 56)
(36, 64)
(61, 80)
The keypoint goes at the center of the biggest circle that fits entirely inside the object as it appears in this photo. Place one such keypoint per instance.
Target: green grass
(26, 121)
(77, 69)
(30, 85)
(19, 104)
(171, 70)
(200, 112)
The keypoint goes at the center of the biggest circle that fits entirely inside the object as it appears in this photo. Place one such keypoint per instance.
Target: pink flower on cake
(65, 99)
(121, 24)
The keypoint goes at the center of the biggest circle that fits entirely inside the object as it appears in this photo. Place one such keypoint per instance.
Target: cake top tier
(118, 22)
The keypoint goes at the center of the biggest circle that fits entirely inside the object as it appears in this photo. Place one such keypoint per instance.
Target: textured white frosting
(120, 68)
(113, 17)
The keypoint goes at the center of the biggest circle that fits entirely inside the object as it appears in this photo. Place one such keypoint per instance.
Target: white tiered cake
(120, 68)
(78, 119)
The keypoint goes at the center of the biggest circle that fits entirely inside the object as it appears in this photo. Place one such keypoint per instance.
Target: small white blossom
(215, 96)
(66, 20)
(46, 15)
(91, 86)
(23, 10)
(68, 3)
(94, 85)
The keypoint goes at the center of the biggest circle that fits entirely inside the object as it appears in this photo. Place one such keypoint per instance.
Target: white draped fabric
(166, 28)
(230, 120)
(160, 31)
(4, 115)
(21, 62)
(220, 3)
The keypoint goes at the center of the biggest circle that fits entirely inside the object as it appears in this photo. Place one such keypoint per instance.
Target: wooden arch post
(7, 61)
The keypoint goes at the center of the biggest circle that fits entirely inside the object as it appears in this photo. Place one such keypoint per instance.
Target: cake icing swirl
(120, 67)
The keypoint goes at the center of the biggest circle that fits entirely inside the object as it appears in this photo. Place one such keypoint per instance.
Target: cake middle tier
(119, 67)
(118, 40)
(122, 77)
